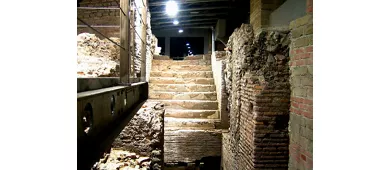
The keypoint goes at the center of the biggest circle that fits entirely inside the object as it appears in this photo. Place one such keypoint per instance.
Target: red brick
(303, 157)
(308, 101)
(309, 49)
(299, 51)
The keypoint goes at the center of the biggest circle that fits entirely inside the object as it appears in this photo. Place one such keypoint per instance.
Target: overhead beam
(184, 21)
(188, 27)
(193, 9)
(187, 2)
(183, 25)
(160, 17)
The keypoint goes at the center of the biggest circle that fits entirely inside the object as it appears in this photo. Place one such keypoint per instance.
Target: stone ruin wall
(94, 60)
(143, 137)
(257, 84)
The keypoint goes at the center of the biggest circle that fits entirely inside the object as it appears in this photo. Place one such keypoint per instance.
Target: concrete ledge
(86, 84)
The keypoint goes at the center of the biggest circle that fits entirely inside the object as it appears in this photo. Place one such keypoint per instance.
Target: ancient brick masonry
(301, 111)
(257, 82)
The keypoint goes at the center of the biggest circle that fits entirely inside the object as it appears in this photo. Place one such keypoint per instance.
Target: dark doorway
(161, 43)
(180, 46)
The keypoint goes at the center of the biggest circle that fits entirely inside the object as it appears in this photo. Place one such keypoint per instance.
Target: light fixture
(187, 44)
(189, 47)
(171, 8)
(180, 30)
(175, 22)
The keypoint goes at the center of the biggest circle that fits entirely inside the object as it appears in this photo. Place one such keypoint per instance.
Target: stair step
(196, 57)
(190, 104)
(195, 114)
(174, 80)
(181, 62)
(183, 95)
(161, 57)
(182, 74)
(181, 87)
(185, 123)
(181, 68)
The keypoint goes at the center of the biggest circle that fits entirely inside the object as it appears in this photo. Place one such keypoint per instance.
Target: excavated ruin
(140, 143)
(257, 83)
(96, 57)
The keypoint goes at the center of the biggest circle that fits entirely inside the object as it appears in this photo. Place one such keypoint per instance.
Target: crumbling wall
(301, 111)
(97, 57)
(257, 82)
(144, 134)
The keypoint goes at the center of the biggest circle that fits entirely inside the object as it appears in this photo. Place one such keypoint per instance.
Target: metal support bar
(193, 9)
(160, 17)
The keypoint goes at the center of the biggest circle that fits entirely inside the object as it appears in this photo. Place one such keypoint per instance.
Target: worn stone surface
(194, 114)
(144, 133)
(122, 160)
(187, 74)
(301, 109)
(181, 68)
(190, 104)
(96, 57)
(187, 89)
(183, 95)
(257, 83)
(177, 80)
(182, 87)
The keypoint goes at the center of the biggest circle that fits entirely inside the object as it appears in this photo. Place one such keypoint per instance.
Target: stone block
(307, 81)
(299, 92)
(309, 93)
(298, 32)
(297, 71)
(308, 29)
(302, 42)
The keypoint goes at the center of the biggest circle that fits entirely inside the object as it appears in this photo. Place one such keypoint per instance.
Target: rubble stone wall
(144, 134)
(257, 83)
(301, 111)
(99, 17)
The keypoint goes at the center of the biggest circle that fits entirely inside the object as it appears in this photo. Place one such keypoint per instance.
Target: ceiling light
(180, 30)
(188, 47)
(175, 22)
(171, 8)
(187, 44)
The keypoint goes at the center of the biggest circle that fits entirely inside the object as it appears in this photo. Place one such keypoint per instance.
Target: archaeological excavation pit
(209, 85)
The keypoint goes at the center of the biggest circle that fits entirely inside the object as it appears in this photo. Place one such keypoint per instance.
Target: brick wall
(301, 110)
(99, 17)
(256, 76)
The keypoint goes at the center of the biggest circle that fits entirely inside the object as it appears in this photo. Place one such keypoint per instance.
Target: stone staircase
(187, 89)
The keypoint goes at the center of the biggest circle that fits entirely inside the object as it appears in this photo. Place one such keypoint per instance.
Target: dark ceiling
(198, 13)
